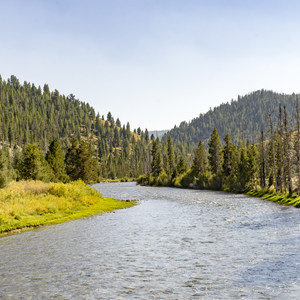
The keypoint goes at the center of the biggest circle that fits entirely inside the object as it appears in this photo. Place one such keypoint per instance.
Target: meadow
(28, 204)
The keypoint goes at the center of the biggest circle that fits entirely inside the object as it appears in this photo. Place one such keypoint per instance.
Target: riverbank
(266, 194)
(123, 179)
(270, 195)
(28, 204)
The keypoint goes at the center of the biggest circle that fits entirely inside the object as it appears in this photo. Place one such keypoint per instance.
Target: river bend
(176, 244)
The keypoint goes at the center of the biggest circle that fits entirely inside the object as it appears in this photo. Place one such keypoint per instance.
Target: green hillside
(241, 119)
(31, 114)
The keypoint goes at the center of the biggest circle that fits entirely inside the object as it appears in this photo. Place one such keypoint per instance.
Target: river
(175, 244)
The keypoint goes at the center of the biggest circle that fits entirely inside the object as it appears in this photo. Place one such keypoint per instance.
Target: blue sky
(153, 63)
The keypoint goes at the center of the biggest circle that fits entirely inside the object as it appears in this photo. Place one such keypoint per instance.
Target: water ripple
(176, 244)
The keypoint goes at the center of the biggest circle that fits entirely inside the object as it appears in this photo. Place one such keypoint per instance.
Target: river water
(175, 244)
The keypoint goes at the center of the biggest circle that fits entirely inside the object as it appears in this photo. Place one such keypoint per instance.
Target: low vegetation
(28, 204)
(271, 195)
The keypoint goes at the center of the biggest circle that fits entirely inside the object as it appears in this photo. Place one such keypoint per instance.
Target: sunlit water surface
(176, 244)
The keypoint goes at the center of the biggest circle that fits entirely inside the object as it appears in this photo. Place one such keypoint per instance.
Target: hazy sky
(153, 63)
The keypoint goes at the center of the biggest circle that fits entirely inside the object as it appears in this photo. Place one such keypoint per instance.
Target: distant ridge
(243, 118)
(158, 133)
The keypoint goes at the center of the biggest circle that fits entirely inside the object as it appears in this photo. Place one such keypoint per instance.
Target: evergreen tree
(33, 165)
(55, 160)
(87, 164)
(170, 158)
(181, 166)
(215, 153)
(242, 174)
(118, 123)
(116, 140)
(146, 135)
(109, 117)
(80, 163)
(71, 160)
(199, 166)
(229, 155)
(156, 164)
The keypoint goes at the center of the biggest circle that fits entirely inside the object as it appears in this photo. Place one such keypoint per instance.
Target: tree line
(239, 167)
(33, 115)
(31, 164)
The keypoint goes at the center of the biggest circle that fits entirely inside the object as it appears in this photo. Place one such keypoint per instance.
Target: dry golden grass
(33, 203)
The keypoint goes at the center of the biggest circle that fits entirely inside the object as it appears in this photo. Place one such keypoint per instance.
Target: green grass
(270, 195)
(28, 204)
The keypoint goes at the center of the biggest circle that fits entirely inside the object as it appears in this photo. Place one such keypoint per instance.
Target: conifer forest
(253, 142)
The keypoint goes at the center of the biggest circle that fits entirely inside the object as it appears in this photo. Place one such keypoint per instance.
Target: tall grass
(27, 204)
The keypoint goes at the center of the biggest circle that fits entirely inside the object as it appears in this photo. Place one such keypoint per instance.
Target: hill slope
(243, 118)
(30, 114)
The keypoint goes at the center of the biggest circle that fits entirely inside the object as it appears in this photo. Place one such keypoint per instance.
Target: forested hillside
(267, 166)
(31, 114)
(242, 119)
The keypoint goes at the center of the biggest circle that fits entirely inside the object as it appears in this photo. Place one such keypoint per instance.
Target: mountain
(243, 118)
(31, 114)
(158, 133)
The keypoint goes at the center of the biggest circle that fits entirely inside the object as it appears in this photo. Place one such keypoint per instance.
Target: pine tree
(87, 164)
(71, 160)
(55, 159)
(118, 123)
(242, 174)
(215, 153)
(170, 158)
(33, 165)
(156, 164)
(80, 163)
(181, 166)
(199, 166)
(229, 157)
(146, 135)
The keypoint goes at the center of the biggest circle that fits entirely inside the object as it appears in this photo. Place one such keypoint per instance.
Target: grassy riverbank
(270, 195)
(27, 204)
(266, 194)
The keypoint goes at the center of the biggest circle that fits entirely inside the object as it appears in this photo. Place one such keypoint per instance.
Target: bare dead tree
(280, 161)
(287, 146)
(273, 153)
(298, 144)
(262, 161)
